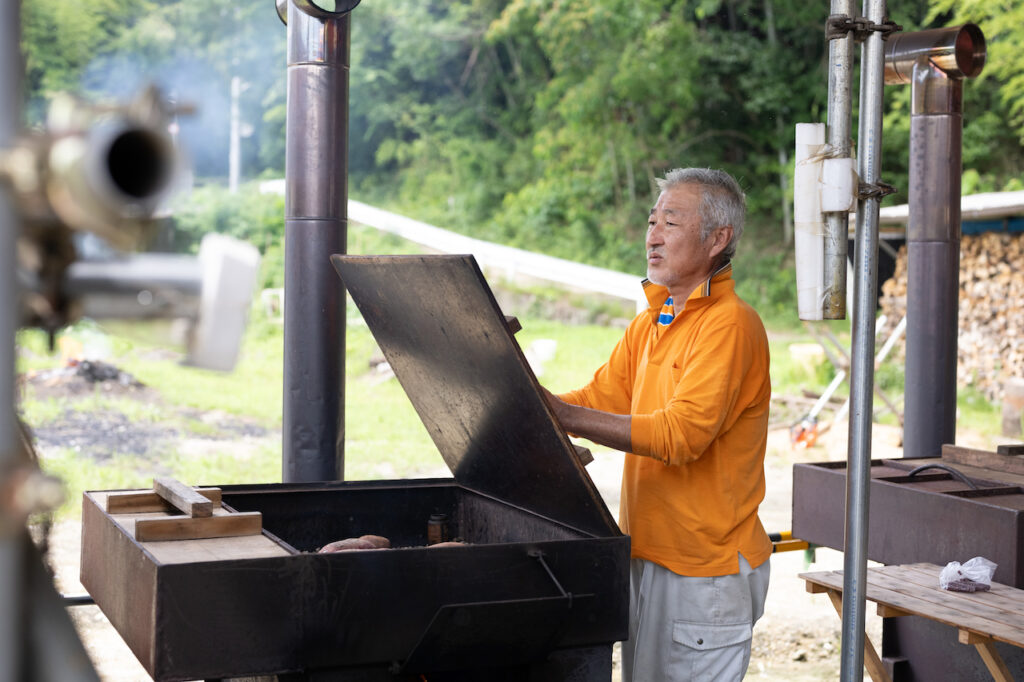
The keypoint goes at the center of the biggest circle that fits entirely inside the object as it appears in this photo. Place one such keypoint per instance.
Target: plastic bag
(974, 575)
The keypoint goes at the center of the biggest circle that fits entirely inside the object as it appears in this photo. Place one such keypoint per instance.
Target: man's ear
(720, 238)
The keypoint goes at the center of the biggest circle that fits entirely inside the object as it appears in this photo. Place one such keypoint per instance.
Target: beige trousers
(686, 629)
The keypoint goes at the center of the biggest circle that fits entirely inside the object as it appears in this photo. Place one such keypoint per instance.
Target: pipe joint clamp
(876, 190)
(838, 25)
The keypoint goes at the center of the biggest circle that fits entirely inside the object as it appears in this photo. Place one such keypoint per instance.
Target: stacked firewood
(990, 342)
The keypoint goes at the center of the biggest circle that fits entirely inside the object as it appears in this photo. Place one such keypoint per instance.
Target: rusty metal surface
(443, 334)
(931, 517)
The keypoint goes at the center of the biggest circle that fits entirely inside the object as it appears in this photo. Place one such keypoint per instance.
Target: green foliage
(765, 277)
(537, 123)
(247, 214)
(1003, 25)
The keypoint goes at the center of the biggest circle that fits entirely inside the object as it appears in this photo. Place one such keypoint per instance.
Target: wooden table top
(913, 589)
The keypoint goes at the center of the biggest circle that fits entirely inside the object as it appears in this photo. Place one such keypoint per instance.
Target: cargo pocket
(711, 652)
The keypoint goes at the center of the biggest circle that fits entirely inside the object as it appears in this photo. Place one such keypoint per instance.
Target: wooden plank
(215, 549)
(993, 661)
(1001, 602)
(985, 459)
(984, 644)
(872, 662)
(886, 611)
(1013, 597)
(814, 587)
(140, 501)
(826, 579)
(193, 528)
(183, 497)
(201, 550)
(956, 609)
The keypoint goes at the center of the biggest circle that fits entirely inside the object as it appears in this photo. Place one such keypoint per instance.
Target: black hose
(950, 470)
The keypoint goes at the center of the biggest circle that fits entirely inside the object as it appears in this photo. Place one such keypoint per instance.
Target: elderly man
(685, 394)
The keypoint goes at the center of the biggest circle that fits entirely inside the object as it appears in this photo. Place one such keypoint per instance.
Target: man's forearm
(612, 430)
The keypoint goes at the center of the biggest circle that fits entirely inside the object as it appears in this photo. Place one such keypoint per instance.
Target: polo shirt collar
(656, 293)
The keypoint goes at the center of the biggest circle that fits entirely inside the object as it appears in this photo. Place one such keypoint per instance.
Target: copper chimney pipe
(316, 222)
(935, 63)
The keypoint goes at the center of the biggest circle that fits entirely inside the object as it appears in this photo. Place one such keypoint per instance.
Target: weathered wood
(183, 497)
(979, 617)
(137, 502)
(886, 611)
(990, 348)
(1010, 464)
(190, 551)
(987, 650)
(872, 661)
(1012, 449)
(194, 528)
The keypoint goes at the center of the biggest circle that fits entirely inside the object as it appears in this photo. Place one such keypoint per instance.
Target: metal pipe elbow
(957, 53)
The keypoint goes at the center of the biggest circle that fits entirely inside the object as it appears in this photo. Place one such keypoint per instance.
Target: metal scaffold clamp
(874, 190)
(839, 25)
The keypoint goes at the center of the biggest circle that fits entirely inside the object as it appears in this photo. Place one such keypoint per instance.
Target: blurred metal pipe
(935, 63)
(837, 225)
(862, 378)
(12, 564)
(316, 221)
(142, 286)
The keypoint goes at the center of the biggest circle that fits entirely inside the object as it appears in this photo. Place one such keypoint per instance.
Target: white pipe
(809, 230)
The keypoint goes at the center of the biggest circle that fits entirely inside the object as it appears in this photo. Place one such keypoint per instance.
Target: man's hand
(557, 405)
(605, 428)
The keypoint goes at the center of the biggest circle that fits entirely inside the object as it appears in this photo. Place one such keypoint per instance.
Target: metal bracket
(539, 556)
(838, 25)
(875, 190)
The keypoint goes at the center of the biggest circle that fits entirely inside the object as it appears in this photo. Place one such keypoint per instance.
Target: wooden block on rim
(584, 455)
(183, 497)
(198, 528)
(138, 502)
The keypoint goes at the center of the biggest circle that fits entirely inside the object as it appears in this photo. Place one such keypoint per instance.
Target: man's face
(676, 256)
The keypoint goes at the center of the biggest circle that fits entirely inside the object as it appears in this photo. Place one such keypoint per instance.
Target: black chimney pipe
(316, 224)
(934, 62)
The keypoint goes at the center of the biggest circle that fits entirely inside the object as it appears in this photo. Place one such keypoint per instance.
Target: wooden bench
(982, 618)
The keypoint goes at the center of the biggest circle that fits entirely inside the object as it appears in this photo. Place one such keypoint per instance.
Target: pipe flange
(839, 25)
(875, 190)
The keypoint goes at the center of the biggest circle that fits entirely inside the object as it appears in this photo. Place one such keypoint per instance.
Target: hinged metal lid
(447, 341)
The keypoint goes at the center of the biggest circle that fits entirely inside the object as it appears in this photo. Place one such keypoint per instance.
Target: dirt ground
(798, 638)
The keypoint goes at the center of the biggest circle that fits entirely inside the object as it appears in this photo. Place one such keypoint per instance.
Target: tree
(1003, 25)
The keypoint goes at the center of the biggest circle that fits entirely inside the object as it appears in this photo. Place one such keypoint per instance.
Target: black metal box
(544, 570)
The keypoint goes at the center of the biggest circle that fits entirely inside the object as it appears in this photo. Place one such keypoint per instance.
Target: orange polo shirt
(698, 391)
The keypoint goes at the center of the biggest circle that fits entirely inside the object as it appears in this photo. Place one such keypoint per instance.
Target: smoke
(200, 78)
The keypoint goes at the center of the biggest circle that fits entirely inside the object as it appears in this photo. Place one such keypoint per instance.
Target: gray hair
(722, 201)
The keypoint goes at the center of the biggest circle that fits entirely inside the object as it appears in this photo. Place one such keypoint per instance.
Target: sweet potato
(346, 545)
(377, 541)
